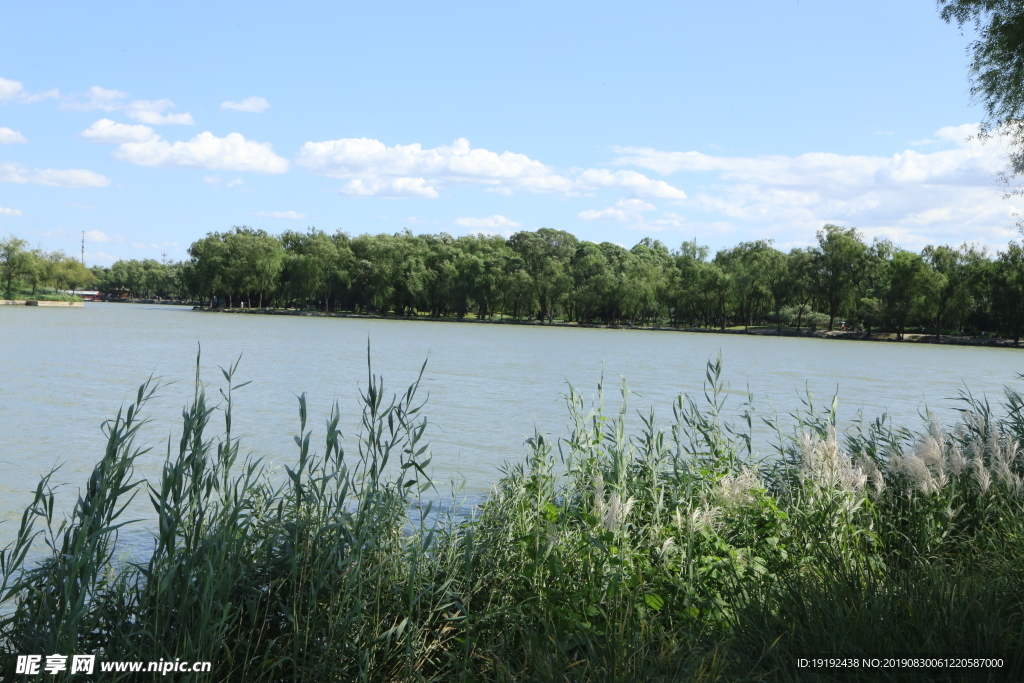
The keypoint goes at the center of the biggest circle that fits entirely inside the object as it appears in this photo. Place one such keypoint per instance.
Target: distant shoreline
(755, 331)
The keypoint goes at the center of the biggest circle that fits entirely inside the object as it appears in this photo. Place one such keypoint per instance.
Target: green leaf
(653, 601)
(550, 512)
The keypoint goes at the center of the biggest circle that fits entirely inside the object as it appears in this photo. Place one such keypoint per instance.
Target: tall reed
(615, 553)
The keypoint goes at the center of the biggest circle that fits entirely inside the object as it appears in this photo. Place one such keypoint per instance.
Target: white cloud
(95, 98)
(230, 153)
(145, 111)
(374, 169)
(97, 236)
(14, 91)
(152, 113)
(254, 105)
(639, 184)
(9, 137)
(108, 132)
(491, 222)
(73, 177)
(281, 214)
(914, 198)
(4, 211)
(10, 90)
(624, 211)
(390, 188)
(153, 246)
(236, 182)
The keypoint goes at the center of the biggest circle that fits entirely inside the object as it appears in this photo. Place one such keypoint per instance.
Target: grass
(661, 554)
(21, 292)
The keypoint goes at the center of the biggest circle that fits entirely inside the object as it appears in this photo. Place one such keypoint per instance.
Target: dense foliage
(996, 67)
(551, 275)
(37, 273)
(646, 554)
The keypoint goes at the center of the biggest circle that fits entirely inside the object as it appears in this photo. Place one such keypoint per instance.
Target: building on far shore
(87, 295)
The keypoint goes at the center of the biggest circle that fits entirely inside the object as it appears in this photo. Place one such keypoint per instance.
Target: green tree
(1008, 285)
(996, 67)
(312, 264)
(254, 261)
(963, 291)
(204, 274)
(746, 264)
(14, 261)
(36, 274)
(913, 286)
(803, 271)
(838, 259)
(546, 254)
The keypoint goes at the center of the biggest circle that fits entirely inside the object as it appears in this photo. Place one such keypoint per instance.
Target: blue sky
(150, 125)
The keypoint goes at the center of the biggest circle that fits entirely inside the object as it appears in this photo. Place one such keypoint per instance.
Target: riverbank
(757, 331)
(35, 302)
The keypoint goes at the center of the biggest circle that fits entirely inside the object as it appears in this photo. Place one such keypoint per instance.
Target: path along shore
(847, 335)
(33, 302)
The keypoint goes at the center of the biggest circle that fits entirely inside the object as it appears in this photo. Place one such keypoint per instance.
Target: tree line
(29, 271)
(550, 275)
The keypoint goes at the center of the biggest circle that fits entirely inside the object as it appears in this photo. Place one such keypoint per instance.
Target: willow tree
(838, 259)
(14, 261)
(996, 69)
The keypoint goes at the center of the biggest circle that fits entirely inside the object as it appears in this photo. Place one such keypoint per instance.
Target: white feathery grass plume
(874, 474)
(1004, 454)
(956, 461)
(599, 495)
(981, 473)
(617, 511)
(705, 517)
(614, 511)
(993, 457)
(926, 466)
(702, 517)
(916, 470)
(825, 463)
(735, 490)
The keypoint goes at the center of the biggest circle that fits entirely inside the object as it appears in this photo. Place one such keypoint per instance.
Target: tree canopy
(551, 275)
(996, 66)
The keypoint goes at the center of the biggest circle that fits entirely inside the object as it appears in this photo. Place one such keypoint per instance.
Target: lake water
(63, 371)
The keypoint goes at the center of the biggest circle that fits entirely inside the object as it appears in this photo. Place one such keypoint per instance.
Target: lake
(64, 371)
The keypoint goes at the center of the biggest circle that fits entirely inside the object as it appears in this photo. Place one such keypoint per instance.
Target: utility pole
(83, 247)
